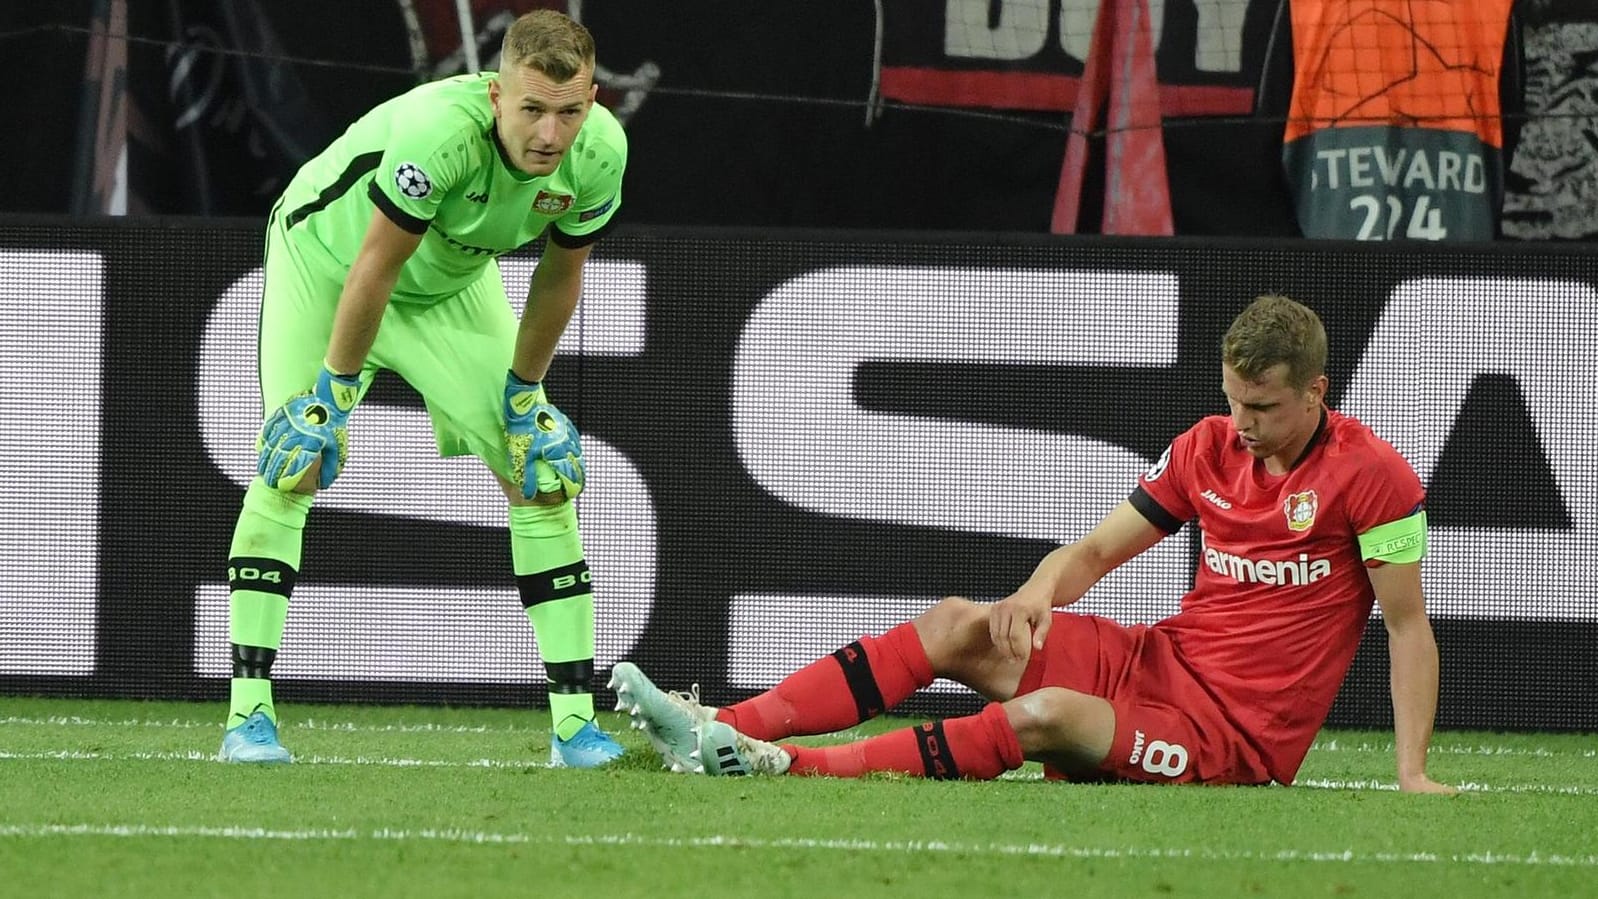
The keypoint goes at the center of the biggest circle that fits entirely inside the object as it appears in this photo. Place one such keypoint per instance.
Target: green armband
(1398, 541)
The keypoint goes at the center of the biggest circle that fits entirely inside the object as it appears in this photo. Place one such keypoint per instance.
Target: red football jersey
(1281, 597)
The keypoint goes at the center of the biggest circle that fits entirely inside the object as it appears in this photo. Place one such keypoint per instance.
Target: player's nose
(547, 131)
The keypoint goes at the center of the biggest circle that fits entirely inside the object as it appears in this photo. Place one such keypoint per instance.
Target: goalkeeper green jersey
(432, 161)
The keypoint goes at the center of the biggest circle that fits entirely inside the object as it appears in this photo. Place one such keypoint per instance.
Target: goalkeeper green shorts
(454, 352)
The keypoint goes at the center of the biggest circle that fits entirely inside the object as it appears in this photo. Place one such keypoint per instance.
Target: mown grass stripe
(81, 755)
(1439, 747)
(308, 724)
(455, 835)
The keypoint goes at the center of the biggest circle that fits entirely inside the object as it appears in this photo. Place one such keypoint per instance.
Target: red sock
(980, 747)
(860, 681)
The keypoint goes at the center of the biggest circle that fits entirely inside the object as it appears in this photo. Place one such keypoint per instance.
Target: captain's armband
(1398, 541)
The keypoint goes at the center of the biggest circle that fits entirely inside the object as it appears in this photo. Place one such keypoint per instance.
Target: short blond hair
(1272, 331)
(549, 42)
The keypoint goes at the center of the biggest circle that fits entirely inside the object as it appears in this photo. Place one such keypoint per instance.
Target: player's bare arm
(1019, 623)
(552, 296)
(1412, 654)
(376, 268)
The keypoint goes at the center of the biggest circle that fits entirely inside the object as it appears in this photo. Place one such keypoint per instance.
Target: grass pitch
(109, 799)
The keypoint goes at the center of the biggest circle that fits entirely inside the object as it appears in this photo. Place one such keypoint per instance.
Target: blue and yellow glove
(309, 426)
(536, 432)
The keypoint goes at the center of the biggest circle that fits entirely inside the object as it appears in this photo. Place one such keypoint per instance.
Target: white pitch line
(1446, 749)
(1468, 787)
(80, 755)
(454, 835)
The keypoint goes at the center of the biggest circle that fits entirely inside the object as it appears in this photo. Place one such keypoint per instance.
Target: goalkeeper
(380, 255)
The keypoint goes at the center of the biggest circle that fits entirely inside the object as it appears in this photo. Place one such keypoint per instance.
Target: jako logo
(1137, 747)
(1288, 572)
(1210, 495)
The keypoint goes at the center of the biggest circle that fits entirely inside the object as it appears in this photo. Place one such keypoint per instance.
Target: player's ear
(493, 95)
(1318, 387)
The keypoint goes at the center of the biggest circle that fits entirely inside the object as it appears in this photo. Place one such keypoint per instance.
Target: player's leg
(980, 746)
(556, 592)
(1048, 709)
(455, 354)
(857, 682)
(1063, 727)
(264, 558)
(874, 674)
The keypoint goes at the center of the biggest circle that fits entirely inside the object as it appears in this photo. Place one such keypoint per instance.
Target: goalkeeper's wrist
(514, 378)
(339, 391)
(336, 375)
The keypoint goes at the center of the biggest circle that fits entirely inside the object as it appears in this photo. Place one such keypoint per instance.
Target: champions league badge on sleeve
(412, 181)
(1158, 468)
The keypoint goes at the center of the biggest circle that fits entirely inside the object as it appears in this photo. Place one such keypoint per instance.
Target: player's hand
(310, 426)
(535, 431)
(1420, 783)
(1019, 623)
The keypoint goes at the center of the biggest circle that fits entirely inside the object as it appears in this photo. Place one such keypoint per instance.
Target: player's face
(1272, 418)
(538, 118)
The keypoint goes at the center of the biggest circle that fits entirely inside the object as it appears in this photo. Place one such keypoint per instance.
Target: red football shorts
(1168, 728)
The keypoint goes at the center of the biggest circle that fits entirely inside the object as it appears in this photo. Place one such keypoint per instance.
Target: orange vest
(1366, 62)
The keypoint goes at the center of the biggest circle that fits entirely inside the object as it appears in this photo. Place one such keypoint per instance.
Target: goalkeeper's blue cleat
(590, 747)
(667, 719)
(254, 741)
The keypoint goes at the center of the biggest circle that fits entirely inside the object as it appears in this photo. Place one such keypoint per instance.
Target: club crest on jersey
(412, 181)
(547, 203)
(1300, 510)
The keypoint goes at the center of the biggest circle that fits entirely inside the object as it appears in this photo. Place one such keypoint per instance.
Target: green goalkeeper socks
(551, 575)
(262, 564)
(552, 578)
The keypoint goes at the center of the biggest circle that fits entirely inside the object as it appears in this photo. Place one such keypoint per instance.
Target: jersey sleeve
(1162, 494)
(604, 148)
(426, 155)
(1386, 508)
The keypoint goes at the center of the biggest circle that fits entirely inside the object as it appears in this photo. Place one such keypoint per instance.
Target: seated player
(1305, 517)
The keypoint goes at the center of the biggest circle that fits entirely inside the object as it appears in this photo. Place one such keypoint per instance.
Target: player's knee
(949, 614)
(513, 493)
(950, 629)
(311, 480)
(1040, 712)
(1054, 723)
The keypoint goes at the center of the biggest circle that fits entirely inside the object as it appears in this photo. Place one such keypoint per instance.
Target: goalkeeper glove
(310, 425)
(535, 432)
